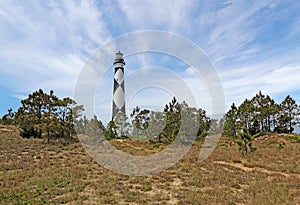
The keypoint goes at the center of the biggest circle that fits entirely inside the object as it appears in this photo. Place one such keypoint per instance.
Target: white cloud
(230, 30)
(156, 14)
(190, 71)
(20, 97)
(243, 83)
(45, 44)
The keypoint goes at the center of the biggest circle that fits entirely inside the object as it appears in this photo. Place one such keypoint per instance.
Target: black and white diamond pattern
(119, 92)
(119, 76)
(119, 97)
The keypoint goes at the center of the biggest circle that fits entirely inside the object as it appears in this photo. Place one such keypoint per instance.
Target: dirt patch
(7, 128)
(256, 169)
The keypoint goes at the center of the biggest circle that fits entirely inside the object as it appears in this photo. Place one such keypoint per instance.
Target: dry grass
(34, 172)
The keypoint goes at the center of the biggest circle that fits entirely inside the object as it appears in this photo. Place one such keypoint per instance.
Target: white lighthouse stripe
(118, 65)
(119, 97)
(119, 76)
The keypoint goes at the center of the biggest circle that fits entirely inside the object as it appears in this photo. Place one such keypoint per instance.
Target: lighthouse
(118, 105)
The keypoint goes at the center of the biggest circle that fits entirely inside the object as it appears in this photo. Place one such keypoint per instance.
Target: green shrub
(244, 142)
(295, 138)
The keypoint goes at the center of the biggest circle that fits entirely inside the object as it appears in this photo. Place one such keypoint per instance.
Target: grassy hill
(34, 172)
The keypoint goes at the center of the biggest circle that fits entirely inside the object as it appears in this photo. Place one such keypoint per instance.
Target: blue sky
(254, 45)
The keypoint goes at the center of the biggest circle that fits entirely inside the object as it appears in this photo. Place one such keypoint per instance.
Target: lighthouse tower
(118, 105)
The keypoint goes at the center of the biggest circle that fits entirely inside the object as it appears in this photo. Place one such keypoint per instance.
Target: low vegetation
(295, 138)
(33, 171)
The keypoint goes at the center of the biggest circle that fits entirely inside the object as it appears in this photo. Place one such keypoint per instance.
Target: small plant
(146, 187)
(272, 142)
(244, 142)
(280, 146)
(295, 138)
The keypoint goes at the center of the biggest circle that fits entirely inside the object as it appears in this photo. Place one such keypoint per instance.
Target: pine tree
(140, 122)
(8, 119)
(30, 114)
(231, 122)
(289, 111)
(111, 131)
(173, 116)
(45, 114)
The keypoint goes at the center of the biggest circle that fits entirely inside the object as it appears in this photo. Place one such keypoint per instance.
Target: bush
(244, 142)
(202, 135)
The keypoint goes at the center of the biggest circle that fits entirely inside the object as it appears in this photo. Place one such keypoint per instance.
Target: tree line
(262, 114)
(153, 126)
(44, 115)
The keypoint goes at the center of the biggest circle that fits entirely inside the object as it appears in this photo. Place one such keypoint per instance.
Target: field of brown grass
(34, 172)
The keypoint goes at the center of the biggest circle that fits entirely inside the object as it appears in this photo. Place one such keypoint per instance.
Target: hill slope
(34, 172)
